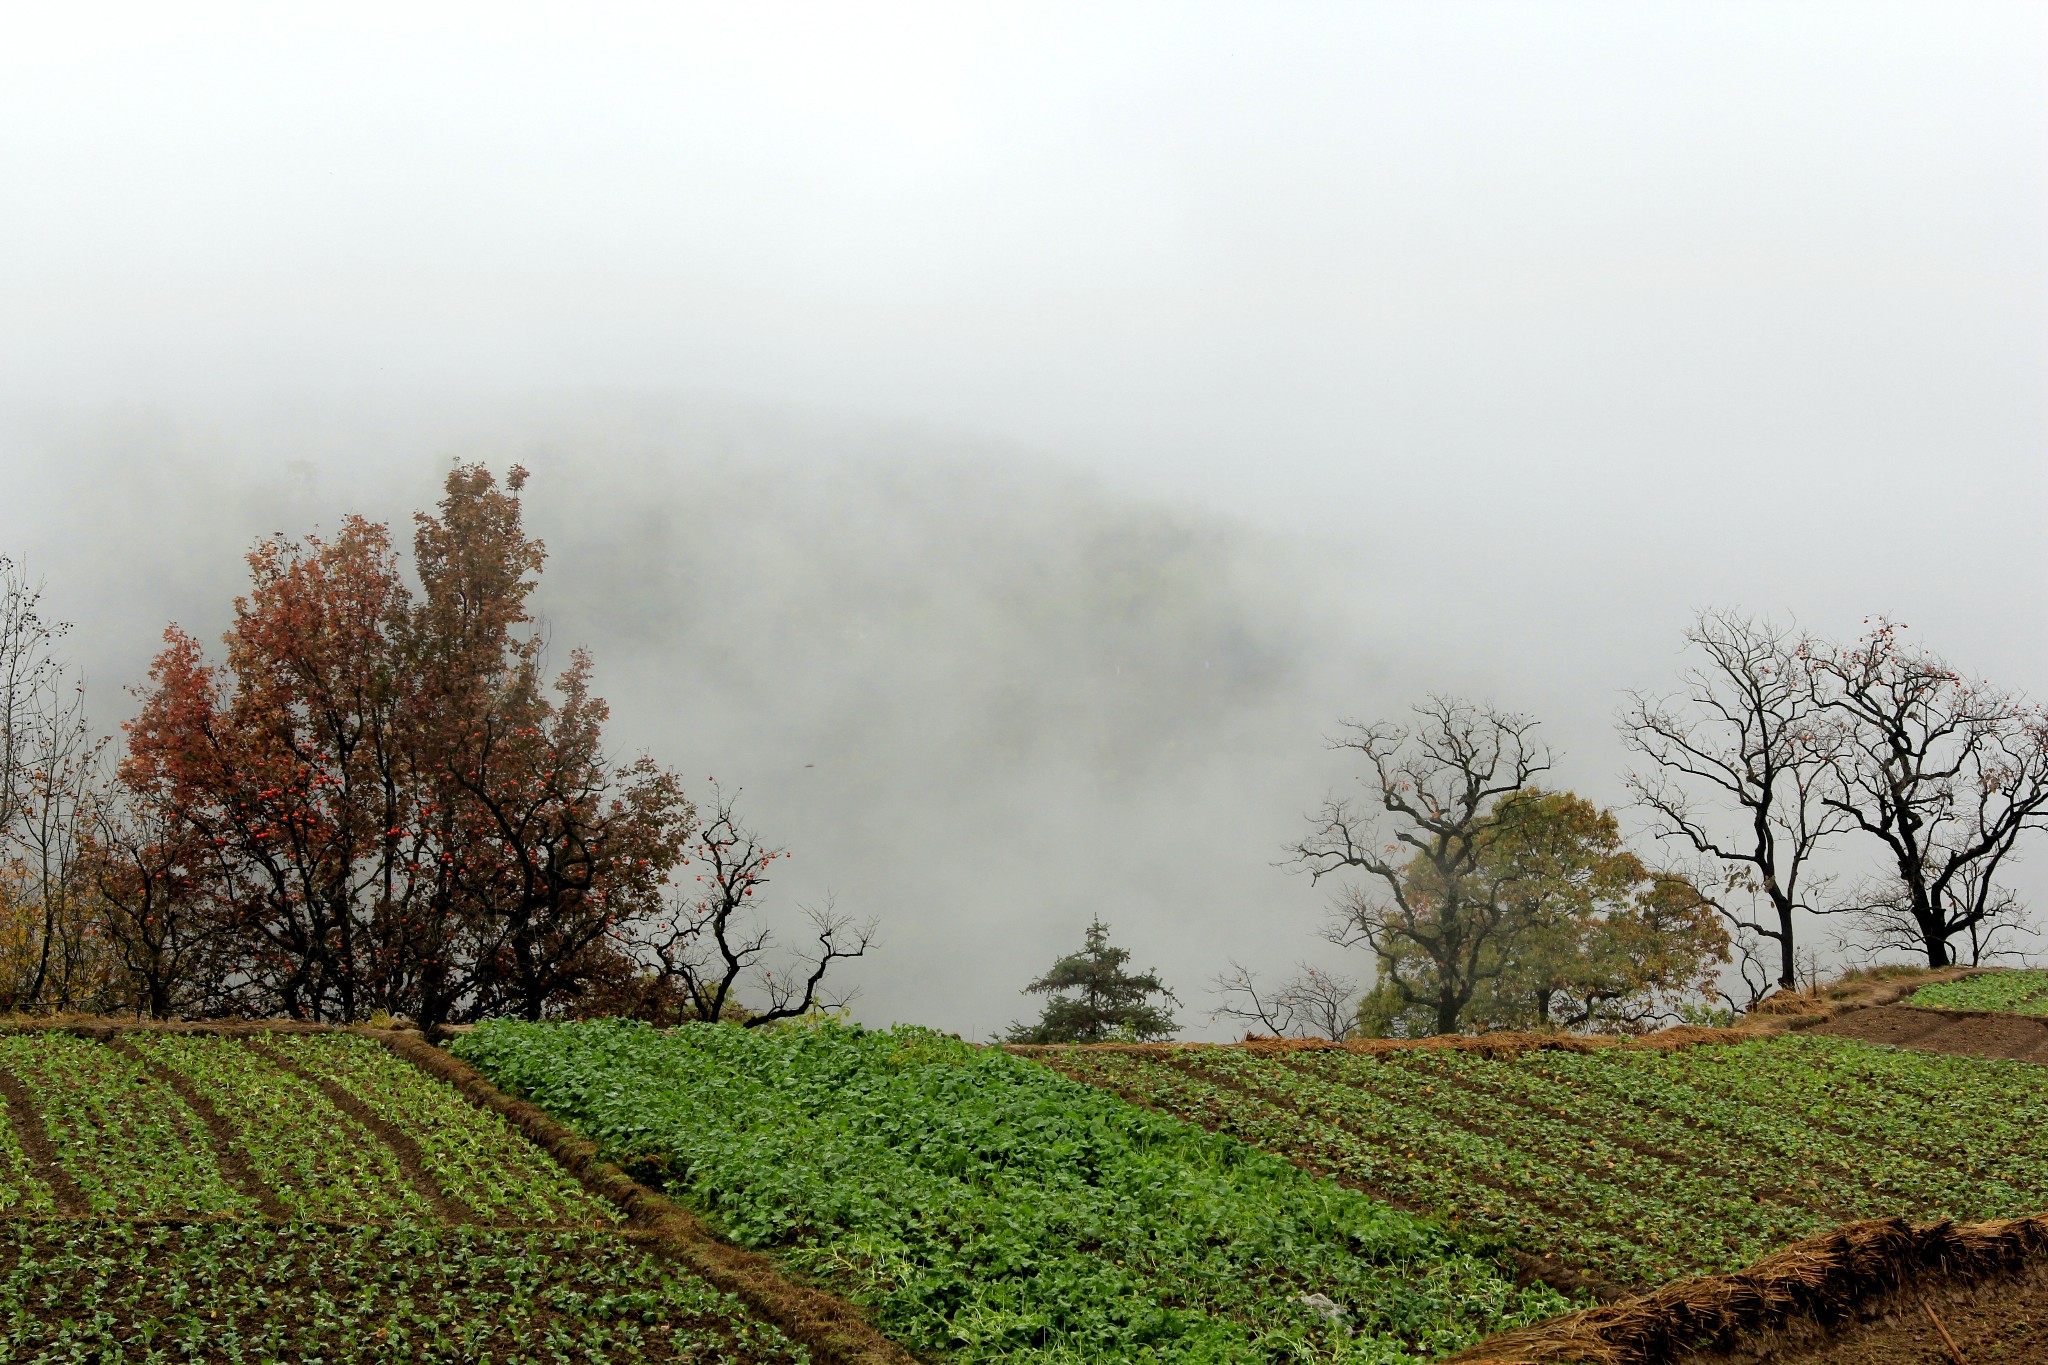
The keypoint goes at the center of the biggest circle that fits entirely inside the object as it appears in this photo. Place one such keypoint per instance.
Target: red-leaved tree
(392, 809)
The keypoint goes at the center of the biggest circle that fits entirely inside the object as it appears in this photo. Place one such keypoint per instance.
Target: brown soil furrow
(1859, 1271)
(1977, 1033)
(1285, 1104)
(227, 1152)
(411, 1160)
(36, 1145)
(1546, 1268)
(1777, 1194)
(835, 1330)
(1917, 1030)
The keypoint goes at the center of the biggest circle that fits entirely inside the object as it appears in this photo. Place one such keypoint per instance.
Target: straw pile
(1849, 1272)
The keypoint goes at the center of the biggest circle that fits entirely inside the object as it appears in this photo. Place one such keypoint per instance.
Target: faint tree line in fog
(377, 804)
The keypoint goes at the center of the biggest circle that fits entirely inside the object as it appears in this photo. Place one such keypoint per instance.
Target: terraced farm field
(1632, 1165)
(987, 1209)
(2012, 992)
(310, 1197)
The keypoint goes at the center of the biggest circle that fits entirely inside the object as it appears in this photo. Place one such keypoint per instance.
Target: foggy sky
(1048, 421)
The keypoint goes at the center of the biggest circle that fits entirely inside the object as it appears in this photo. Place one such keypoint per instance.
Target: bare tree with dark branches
(1945, 774)
(49, 956)
(1740, 756)
(1433, 921)
(1312, 1003)
(1882, 923)
(168, 935)
(716, 938)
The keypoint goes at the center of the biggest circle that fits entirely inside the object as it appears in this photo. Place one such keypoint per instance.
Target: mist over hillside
(979, 699)
(980, 696)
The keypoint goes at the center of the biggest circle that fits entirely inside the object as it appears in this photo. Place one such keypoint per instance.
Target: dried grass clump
(1825, 1279)
(1779, 1014)
(1858, 989)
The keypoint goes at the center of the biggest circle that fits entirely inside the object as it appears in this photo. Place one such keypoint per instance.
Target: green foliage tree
(1490, 902)
(1434, 918)
(1596, 939)
(1587, 936)
(1107, 1004)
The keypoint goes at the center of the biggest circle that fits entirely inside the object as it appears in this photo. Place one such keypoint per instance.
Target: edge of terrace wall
(1852, 1272)
(833, 1329)
(1780, 1014)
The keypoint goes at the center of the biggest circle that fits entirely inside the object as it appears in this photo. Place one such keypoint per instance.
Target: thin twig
(1935, 1318)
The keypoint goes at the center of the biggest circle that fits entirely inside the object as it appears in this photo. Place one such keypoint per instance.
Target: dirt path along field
(1977, 1033)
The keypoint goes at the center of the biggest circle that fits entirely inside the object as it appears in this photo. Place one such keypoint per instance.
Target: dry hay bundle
(1825, 1278)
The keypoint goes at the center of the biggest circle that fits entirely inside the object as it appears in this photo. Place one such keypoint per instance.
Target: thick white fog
(1006, 440)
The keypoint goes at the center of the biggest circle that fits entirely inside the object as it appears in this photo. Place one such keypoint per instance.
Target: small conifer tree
(1094, 1000)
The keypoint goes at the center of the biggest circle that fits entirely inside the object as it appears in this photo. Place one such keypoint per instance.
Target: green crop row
(1637, 1165)
(320, 1162)
(412, 1295)
(986, 1208)
(475, 1156)
(2013, 992)
(20, 1191)
(124, 1137)
(135, 1148)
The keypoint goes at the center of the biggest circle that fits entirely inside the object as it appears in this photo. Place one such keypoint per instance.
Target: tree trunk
(1788, 965)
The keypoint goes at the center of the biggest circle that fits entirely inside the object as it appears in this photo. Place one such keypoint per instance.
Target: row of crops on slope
(128, 1121)
(2014, 992)
(1634, 1165)
(307, 1197)
(400, 1295)
(982, 1206)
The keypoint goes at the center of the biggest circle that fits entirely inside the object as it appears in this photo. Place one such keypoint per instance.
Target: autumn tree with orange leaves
(378, 801)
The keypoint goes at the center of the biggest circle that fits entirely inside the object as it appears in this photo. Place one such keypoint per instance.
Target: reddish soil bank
(2020, 1037)
(2003, 1321)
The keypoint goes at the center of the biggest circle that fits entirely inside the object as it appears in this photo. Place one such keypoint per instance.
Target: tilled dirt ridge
(1976, 1033)
(1999, 1321)
(1813, 1289)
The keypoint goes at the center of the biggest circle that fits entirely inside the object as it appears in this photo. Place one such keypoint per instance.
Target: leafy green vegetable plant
(129, 1142)
(1637, 1165)
(2009, 992)
(987, 1208)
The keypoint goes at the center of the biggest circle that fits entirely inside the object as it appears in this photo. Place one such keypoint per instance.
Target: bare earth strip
(227, 1152)
(2000, 1321)
(1977, 1033)
(36, 1145)
(1870, 1278)
(446, 1206)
